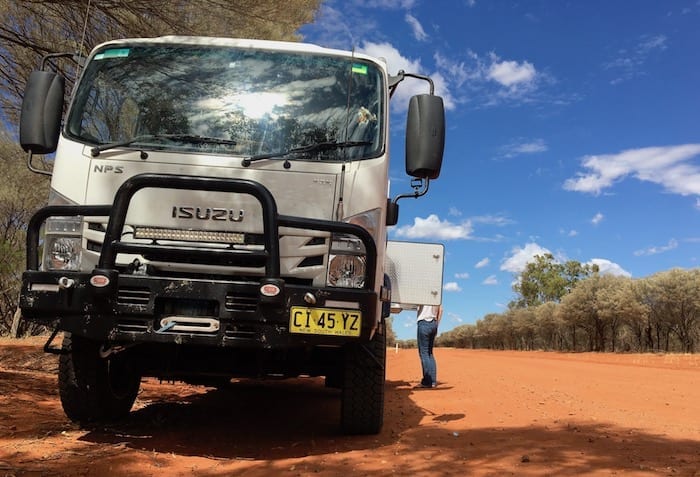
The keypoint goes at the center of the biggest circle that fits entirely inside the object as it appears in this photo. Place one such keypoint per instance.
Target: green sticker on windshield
(113, 53)
(359, 69)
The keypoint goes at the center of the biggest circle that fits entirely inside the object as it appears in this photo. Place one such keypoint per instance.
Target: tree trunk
(650, 338)
(14, 330)
(613, 337)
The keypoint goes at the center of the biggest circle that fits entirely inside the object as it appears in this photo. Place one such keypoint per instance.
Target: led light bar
(154, 233)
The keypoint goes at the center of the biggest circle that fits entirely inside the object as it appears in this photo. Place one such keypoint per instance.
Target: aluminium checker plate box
(415, 270)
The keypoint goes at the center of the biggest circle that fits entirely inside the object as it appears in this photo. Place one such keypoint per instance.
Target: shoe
(424, 386)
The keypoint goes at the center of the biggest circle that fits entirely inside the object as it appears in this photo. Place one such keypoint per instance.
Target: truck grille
(132, 325)
(133, 296)
(241, 302)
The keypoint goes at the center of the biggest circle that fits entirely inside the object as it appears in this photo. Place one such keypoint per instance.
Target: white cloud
(452, 287)
(409, 87)
(511, 73)
(418, 31)
(462, 275)
(672, 167)
(538, 145)
(520, 257)
(482, 263)
(517, 82)
(497, 220)
(434, 228)
(458, 72)
(490, 280)
(651, 43)
(394, 59)
(522, 147)
(386, 4)
(606, 267)
(346, 24)
(629, 63)
(672, 244)
(336, 30)
(597, 218)
(489, 80)
(455, 212)
(455, 317)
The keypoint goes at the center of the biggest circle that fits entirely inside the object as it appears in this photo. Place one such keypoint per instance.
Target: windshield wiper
(190, 138)
(315, 147)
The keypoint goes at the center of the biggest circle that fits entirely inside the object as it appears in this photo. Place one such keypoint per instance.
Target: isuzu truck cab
(218, 209)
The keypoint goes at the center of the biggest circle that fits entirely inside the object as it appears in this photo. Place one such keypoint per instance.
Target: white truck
(218, 209)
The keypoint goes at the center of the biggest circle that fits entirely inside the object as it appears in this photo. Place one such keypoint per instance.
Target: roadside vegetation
(559, 310)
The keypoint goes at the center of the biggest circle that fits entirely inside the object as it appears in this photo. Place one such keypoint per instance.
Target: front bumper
(112, 305)
(222, 313)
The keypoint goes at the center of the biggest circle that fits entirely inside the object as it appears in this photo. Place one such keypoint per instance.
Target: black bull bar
(102, 297)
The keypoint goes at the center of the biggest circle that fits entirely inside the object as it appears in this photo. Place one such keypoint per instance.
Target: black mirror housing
(425, 136)
(392, 212)
(42, 108)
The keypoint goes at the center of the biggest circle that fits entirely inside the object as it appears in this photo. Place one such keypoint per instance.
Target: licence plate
(325, 321)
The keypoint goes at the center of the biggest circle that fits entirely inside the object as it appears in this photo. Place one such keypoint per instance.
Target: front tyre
(362, 405)
(93, 388)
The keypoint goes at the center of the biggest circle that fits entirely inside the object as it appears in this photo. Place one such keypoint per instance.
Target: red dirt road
(495, 413)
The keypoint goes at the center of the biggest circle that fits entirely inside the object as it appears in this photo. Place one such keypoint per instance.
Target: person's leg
(432, 364)
(423, 339)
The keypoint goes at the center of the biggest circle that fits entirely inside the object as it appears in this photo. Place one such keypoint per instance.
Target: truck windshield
(232, 101)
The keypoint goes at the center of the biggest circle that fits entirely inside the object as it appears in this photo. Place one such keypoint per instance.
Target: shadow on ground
(252, 419)
(273, 420)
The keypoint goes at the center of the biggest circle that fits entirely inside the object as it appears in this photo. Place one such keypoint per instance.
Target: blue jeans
(427, 330)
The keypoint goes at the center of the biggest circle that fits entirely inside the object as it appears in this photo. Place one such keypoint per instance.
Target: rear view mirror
(425, 136)
(42, 108)
(392, 212)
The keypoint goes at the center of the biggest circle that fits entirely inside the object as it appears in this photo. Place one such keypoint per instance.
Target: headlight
(347, 260)
(62, 243)
(346, 271)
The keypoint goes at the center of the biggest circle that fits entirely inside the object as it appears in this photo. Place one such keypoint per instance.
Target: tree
(545, 280)
(549, 326)
(673, 299)
(33, 28)
(601, 305)
(389, 330)
(460, 337)
(618, 305)
(21, 193)
(580, 310)
(524, 325)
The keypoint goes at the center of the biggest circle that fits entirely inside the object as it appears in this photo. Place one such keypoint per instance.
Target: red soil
(494, 413)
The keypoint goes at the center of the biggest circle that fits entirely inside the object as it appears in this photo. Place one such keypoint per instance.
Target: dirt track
(495, 413)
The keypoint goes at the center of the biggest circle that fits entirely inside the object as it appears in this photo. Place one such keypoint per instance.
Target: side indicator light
(269, 289)
(99, 281)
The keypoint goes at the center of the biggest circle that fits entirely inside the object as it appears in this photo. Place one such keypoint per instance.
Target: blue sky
(573, 128)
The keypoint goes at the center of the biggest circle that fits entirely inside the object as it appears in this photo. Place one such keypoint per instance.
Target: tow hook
(105, 353)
